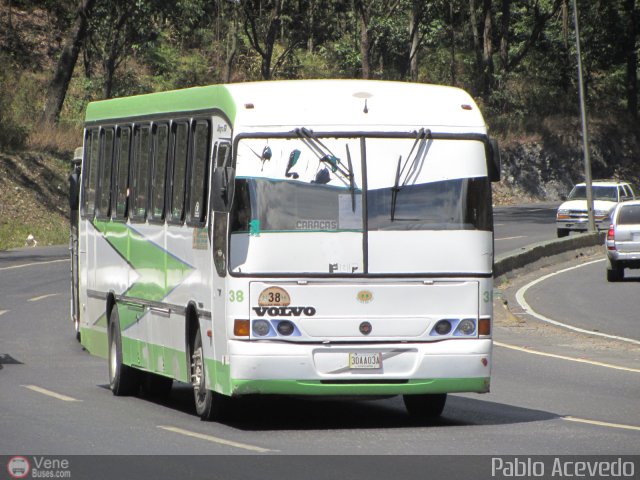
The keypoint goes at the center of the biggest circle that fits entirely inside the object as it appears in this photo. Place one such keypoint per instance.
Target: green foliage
(149, 45)
(13, 133)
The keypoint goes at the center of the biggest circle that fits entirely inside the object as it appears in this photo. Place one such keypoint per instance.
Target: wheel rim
(197, 374)
(112, 360)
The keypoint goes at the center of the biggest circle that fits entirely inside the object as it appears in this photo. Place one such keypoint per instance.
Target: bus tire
(76, 326)
(154, 385)
(210, 405)
(123, 379)
(426, 406)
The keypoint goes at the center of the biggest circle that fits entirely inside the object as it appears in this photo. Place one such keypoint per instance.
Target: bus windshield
(326, 205)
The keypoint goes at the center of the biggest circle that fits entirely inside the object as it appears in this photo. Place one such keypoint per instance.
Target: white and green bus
(316, 237)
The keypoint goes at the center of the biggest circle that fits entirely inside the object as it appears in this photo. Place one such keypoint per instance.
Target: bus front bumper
(406, 368)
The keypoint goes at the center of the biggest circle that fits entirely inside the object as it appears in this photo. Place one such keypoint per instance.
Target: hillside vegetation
(518, 60)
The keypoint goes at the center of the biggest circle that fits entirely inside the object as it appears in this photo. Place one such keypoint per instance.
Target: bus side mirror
(493, 161)
(223, 188)
(74, 191)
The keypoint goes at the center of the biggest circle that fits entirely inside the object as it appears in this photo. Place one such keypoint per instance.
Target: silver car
(623, 240)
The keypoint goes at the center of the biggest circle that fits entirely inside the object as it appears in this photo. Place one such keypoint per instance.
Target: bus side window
(158, 185)
(141, 164)
(104, 177)
(123, 151)
(198, 173)
(90, 173)
(178, 175)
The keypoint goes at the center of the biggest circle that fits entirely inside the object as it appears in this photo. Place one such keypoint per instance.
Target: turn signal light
(484, 326)
(241, 328)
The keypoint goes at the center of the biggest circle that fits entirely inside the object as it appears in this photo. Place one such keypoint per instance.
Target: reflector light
(466, 107)
(241, 328)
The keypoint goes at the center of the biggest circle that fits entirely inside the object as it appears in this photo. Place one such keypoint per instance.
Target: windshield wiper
(324, 154)
(352, 186)
(421, 136)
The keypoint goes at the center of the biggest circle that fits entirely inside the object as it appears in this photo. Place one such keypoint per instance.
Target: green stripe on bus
(188, 100)
(302, 387)
(158, 271)
(95, 341)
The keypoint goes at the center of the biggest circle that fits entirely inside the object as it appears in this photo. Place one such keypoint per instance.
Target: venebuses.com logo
(38, 467)
(18, 467)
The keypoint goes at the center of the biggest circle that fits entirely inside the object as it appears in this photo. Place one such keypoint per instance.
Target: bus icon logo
(18, 467)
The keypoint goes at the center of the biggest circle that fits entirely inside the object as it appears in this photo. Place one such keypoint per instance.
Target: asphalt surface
(549, 395)
(582, 297)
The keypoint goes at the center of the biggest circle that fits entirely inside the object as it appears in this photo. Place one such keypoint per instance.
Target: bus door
(220, 225)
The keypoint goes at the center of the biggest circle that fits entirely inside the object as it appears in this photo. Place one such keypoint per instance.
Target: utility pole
(583, 114)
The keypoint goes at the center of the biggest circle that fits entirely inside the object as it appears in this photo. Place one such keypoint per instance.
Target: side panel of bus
(157, 264)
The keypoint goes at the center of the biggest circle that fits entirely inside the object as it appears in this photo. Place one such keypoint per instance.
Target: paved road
(521, 225)
(55, 400)
(587, 300)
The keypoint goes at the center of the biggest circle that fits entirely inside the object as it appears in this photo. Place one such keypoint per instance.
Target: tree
(367, 11)
(631, 39)
(262, 30)
(57, 90)
(118, 27)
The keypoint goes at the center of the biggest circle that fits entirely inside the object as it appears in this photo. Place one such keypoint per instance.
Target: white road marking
(564, 357)
(42, 297)
(527, 308)
(510, 238)
(213, 439)
(13, 267)
(2, 312)
(601, 424)
(49, 393)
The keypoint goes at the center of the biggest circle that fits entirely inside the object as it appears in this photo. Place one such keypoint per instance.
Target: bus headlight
(285, 327)
(442, 327)
(261, 328)
(466, 327)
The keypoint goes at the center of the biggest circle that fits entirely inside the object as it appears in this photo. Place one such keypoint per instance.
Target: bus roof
(310, 103)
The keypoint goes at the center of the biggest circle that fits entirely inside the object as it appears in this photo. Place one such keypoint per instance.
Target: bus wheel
(76, 326)
(123, 380)
(426, 406)
(209, 405)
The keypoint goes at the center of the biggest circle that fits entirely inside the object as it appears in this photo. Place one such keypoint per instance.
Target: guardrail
(516, 259)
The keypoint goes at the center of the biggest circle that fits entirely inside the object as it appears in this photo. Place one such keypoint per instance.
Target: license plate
(365, 360)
